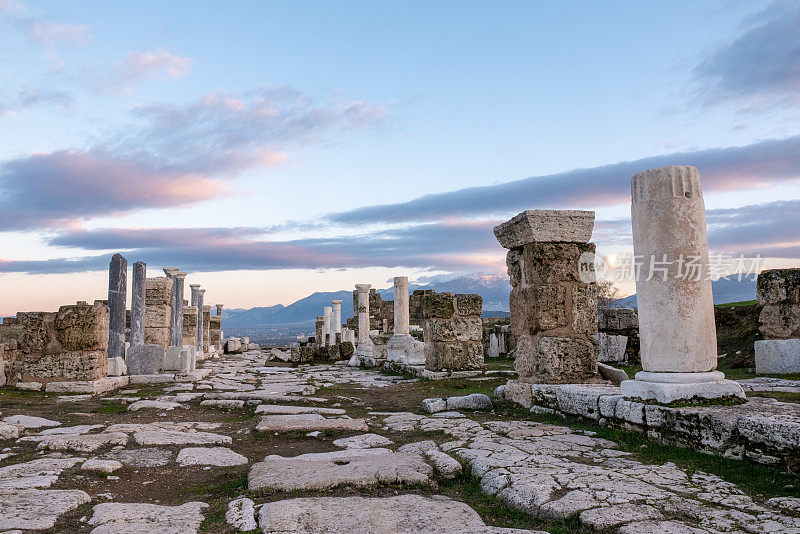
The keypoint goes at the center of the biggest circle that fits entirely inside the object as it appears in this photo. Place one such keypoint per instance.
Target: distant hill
(494, 289)
(301, 315)
(725, 290)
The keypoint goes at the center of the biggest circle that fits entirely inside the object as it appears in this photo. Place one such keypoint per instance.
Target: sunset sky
(272, 149)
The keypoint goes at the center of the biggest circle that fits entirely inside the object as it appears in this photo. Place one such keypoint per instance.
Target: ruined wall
(554, 313)
(498, 342)
(67, 345)
(452, 330)
(779, 295)
(381, 313)
(618, 335)
(157, 311)
(206, 328)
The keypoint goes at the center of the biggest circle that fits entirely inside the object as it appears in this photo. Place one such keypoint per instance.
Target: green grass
(781, 396)
(112, 408)
(735, 304)
(753, 478)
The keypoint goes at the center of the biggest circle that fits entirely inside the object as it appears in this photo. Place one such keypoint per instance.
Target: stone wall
(215, 331)
(618, 335)
(190, 325)
(779, 295)
(498, 342)
(381, 313)
(761, 430)
(206, 328)
(157, 311)
(452, 330)
(67, 345)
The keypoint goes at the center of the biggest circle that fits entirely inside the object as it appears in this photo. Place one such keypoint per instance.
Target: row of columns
(117, 297)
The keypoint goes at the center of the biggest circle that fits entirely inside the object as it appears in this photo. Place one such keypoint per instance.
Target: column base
(666, 388)
(403, 348)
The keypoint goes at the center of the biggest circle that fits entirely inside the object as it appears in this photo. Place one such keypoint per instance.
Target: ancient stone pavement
(329, 448)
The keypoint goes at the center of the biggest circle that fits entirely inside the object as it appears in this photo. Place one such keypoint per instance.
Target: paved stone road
(551, 472)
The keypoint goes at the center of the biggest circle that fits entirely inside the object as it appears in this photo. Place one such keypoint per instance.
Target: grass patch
(112, 408)
(783, 396)
(753, 478)
(735, 304)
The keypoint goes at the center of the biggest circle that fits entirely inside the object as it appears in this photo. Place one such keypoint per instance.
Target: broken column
(779, 321)
(117, 288)
(452, 330)
(206, 328)
(553, 299)
(401, 347)
(326, 326)
(364, 343)
(336, 335)
(676, 308)
(319, 331)
(138, 303)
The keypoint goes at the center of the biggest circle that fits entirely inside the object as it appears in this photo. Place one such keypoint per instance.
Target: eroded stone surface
(137, 518)
(308, 422)
(37, 509)
(363, 441)
(216, 456)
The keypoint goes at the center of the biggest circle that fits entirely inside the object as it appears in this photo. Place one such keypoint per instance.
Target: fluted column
(138, 303)
(363, 312)
(326, 326)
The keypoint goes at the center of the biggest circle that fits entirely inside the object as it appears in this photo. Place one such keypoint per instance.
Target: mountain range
(494, 289)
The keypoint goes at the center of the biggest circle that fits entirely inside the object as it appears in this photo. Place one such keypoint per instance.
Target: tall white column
(401, 305)
(195, 289)
(326, 326)
(337, 320)
(676, 307)
(363, 312)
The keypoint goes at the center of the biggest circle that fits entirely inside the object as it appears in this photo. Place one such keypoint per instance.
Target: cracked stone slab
(29, 421)
(153, 405)
(241, 514)
(146, 457)
(140, 518)
(363, 441)
(214, 456)
(33, 509)
(329, 470)
(403, 514)
(101, 466)
(308, 423)
(282, 409)
(176, 437)
(78, 442)
(39, 473)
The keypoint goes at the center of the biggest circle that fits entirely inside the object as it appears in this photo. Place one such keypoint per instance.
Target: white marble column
(327, 332)
(676, 307)
(219, 308)
(363, 312)
(337, 319)
(401, 305)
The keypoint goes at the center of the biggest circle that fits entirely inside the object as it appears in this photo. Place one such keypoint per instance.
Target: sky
(273, 149)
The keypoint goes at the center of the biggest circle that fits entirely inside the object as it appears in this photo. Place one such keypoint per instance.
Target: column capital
(202, 291)
(171, 271)
(194, 286)
(363, 288)
(336, 302)
(180, 275)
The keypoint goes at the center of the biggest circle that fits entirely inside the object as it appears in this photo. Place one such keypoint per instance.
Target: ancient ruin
(553, 303)
(779, 322)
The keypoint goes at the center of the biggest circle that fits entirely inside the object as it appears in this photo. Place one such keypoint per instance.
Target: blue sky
(242, 140)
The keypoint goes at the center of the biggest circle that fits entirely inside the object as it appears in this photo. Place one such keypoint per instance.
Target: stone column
(138, 303)
(219, 308)
(401, 347)
(195, 288)
(176, 297)
(326, 327)
(117, 289)
(363, 312)
(676, 307)
(200, 326)
(337, 320)
(400, 305)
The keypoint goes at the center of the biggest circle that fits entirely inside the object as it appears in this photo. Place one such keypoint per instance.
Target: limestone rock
(363, 441)
(329, 470)
(101, 466)
(216, 456)
(138, 518)
(82, 327)
(79, 442)
(176, 437)
(153, 405)
(37, 509)
(475, 401)
(307, 423)
(40, 473)
(8, 431)
(223, 404)
(241, 514)
(30, 421)
(612, 374)
(777, 356)
(282, 409)
(403, 514)
(145, 457)
(446, 466)
(532, 226)
(145, 359)
(434, 405)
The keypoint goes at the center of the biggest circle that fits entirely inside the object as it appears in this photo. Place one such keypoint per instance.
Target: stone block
(778, 286)
(449, 330)
(145, 359)
(66, 366)
(156, 336)
(38, 333)
(475, 401)
(157, 291)
(469, 305)
(777, 356)
(117, 366)
(537, 226)
(82, 327)
(446, 356)
(778, 321)
(439, 305)
(172, 359)
(612, 348)
(157, 316)
(556, 359)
